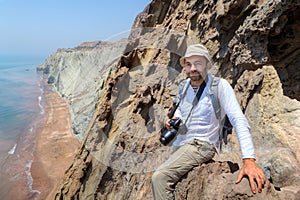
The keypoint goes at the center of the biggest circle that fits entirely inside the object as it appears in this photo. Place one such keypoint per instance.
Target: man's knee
(158, 178)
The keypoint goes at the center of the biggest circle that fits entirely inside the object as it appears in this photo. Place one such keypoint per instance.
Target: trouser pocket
(206, 151)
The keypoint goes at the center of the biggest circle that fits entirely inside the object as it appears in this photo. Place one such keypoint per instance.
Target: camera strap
(182, 89)
(196, 99)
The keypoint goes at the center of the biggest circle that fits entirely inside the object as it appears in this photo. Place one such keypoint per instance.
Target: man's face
(196, 67)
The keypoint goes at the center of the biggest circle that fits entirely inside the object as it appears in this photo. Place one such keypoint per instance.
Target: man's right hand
(167, 124)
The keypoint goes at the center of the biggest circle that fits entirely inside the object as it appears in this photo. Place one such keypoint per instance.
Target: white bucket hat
(196, 50)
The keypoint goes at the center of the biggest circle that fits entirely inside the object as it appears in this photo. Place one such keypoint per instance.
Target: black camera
(168, 135)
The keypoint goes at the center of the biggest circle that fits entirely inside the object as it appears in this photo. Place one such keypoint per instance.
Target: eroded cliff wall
(255, 46)
(78, 74)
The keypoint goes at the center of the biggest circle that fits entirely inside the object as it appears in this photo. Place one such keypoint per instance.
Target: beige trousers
(182, 160)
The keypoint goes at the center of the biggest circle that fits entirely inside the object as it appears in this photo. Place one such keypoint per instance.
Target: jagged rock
(255, 46)
(217, 181)
(42, 68)
(51, 80)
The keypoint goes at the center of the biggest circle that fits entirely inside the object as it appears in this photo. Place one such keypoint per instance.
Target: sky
(40, 27)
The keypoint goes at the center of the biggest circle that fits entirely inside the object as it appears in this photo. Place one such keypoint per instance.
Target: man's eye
(198, 63)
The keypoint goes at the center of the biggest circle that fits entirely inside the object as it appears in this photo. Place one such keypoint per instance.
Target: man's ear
(209, 66)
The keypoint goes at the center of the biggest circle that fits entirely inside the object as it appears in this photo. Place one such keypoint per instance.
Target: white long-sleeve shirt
(203, 124)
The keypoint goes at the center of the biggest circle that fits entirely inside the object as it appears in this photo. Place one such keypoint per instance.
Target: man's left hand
(254, 173)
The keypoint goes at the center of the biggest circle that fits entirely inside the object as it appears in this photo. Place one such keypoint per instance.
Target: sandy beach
(55, 147)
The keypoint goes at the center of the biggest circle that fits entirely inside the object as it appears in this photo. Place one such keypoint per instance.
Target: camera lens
(168, 136)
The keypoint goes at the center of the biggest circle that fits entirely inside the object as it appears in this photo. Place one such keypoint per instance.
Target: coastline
(55, 146)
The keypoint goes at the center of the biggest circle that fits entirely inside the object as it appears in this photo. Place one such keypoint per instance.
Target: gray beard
(195, 78)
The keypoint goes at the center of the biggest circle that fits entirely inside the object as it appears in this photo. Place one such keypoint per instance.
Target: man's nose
(193, 68)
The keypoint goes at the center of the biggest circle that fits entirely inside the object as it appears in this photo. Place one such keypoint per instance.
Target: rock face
(255, 46)
(78, 73)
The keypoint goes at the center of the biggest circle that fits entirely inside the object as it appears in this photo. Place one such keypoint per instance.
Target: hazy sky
(42, 26)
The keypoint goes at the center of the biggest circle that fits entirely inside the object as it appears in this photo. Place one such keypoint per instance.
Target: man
(200, 141)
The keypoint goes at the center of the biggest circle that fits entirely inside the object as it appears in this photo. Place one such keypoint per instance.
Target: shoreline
(55, 147)
(16, 162)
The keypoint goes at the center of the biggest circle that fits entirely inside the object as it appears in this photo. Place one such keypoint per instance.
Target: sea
(21, 111)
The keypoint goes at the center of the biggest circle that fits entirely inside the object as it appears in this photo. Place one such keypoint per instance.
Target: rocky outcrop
(255, 46)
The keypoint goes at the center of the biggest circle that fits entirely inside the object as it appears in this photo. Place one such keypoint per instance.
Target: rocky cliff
(255, 46)
(78, 73)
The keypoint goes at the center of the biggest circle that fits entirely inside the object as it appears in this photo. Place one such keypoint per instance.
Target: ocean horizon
(21, 111)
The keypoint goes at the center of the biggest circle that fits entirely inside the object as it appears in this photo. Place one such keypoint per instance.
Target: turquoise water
(19, 91)
(21, 109)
